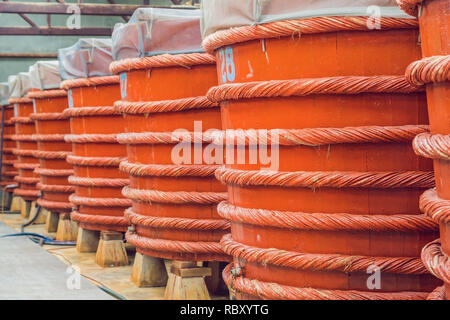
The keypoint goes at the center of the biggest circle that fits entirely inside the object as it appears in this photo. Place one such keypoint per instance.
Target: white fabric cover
(88, 57)
(4, 93)
(45, 75)
(225, 14)
(153, 31)
(19, 85)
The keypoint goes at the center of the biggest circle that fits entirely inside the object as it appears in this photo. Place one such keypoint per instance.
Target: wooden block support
(187, 282)
(51, 224)
(6, 199)
(68, 230)
(16, 204)
(25, 208)
(87, 240)
(111, 250)
(42, 217)
(148, 271)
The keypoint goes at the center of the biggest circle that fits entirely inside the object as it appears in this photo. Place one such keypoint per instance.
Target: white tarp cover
(88, 57)
(225, 14)
(4, 93)
(153, 31)
(19, 85)
(45, 75)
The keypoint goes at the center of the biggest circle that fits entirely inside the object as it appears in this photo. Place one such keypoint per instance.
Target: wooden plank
(55, 31)
(85, 8)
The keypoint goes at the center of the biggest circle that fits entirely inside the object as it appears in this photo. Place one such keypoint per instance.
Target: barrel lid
(45, 75)
(88, 57)
(155, 31)
(4, 93)
(19, 85)
(226, 14)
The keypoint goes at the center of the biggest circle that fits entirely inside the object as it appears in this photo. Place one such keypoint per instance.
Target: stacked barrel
(172, 187)
(99, 204)
(25, 143)
(51, 127)
(336, 214)
(8, 158)
(433, 71)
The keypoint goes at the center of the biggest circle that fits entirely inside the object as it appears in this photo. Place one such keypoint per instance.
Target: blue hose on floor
(42, 239)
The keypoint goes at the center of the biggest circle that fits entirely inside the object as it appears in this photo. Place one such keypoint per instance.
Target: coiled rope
(114, 221)
(90, 111)
(54, 204)
(304, 87)
(98, 182)
(20, 100)
(89, 82)
(288, 28)
(274, 291)
(326, 221)
(318, 136)
(53, 172)
(99, 202)
(164, 245)
(48, 116)
(321, 262)
(176, 223)
(178, 197)
(159, 170)
(333, 179)
(55, 188)
(147, 107)
(433, 69)
(26, 193)
(163, 60)
(94, 161)
(51, 154)
(91, 138)
(436, 261)
(432, 146)
(46, 94)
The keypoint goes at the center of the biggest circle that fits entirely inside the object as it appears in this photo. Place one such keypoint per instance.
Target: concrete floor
(29, 272)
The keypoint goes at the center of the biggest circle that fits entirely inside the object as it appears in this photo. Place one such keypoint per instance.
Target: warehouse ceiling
(32, 30)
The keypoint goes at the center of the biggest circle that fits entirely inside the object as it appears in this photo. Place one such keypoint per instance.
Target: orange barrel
(25, 143)
(8, 158)
(172, 187)
(324, 186)
(99, 204)
(434, 72)
(8, 145)
(51, 127)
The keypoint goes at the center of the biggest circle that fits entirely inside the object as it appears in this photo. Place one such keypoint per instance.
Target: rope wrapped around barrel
(274, 291)
(54, 205)
(160, 247)
(339, 85)
(23, 120)
(431, 71)
(163, 60)
(20, 100)
(26, 193)
(291, 28)
(47, 94)
(89, 82)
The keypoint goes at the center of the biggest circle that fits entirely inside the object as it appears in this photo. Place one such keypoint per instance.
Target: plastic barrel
(433, 71)
(174, 193)
(51, 127)
(96, 154)
(8, 159)
(25, 147)
(330, 210)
